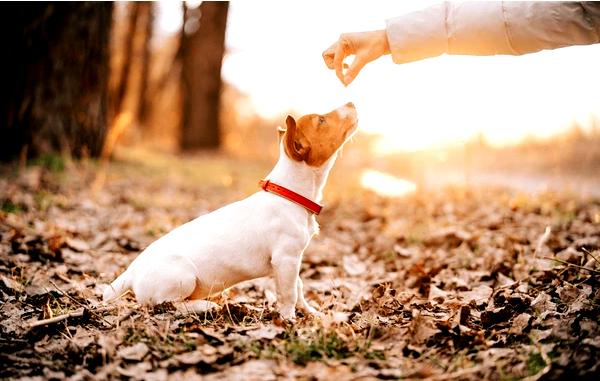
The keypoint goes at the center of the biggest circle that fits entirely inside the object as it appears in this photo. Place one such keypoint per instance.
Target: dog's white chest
(313, 226)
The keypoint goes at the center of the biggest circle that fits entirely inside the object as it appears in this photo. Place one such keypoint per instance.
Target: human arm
(471, 28)
(489, 28)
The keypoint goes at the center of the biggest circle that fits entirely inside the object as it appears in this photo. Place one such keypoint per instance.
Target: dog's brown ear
(280, 133)
(296, 146)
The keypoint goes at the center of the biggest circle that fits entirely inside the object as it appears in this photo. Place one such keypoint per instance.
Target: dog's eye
(321, 120)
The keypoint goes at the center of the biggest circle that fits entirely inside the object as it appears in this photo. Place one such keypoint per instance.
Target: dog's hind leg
(164, 284)
(117, 287)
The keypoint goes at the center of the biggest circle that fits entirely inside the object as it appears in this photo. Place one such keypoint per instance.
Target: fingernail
(347, 80)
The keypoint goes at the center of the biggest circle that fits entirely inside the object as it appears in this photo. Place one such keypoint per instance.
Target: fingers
(334, 59)
(354, 69)
(329, 54)
(338, 60)
(365, 46)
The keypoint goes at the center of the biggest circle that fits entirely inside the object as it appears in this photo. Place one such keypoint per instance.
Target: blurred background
(135, 81)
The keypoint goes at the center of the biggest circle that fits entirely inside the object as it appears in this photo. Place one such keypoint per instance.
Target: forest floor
(473, 284)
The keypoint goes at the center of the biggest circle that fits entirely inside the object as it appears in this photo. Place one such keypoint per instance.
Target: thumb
(354, 69)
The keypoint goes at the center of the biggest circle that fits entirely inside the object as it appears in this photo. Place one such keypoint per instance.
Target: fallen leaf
(194, 357)
(437, 294)
(138, 371)
(353, 265)
(11, 284)
(520, 324)
(480, 295)
(77, 244)
(265, 332)
(543, 302)
(135, 352)
(422, 328)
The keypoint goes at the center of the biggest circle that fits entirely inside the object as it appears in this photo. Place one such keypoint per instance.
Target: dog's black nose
(350, 104)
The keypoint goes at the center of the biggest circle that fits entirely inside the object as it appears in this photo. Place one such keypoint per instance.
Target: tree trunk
(202, 49)
(54, 77)
(119, 95)
(147, 18)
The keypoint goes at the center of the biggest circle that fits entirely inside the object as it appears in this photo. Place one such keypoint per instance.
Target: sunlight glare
(274, 56)
(385, 184)
(436, 102)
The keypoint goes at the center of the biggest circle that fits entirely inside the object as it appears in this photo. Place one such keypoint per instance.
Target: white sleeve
(488, 28)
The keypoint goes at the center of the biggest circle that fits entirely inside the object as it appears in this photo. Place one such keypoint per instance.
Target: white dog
(261, 235)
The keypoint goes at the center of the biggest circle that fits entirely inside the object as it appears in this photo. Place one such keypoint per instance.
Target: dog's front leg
(285, 271)
(302, 302)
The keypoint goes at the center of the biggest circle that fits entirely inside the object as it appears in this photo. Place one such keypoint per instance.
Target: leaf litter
(451, 284)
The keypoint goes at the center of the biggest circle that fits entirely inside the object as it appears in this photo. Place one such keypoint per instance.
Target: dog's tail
(117, 287)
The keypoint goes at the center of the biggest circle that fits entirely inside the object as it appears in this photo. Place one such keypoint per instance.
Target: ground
(451, 283)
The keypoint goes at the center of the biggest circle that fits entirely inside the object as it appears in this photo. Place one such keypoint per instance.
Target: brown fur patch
(315, 138)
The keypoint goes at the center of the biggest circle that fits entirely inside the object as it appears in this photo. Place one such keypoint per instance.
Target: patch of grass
(161, 346)
(374, 354)
(189, 345)
(535, 363)
(8, 206)
(134, 336)
(507, 377)
(43, 199)
(322, 345)
(316, 345)
(59, 308)
(25, 281)
(388, 255)
(55, 163)
(268, 351)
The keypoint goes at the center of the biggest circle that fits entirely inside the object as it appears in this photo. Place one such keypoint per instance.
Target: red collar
(309, 205)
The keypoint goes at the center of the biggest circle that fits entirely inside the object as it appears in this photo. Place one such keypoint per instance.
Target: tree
(202, 49)
(118, 96)
(54, 77)
(146, 29)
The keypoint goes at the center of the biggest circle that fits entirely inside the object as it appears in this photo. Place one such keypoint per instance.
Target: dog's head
(315, 138)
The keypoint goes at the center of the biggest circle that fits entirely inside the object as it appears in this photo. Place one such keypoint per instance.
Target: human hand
(365, 46)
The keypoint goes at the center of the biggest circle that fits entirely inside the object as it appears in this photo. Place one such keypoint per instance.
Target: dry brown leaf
(12, 284)
(353, 265)
(480, 294)
(422, 328)
(265, 332)
(520, 324)
(437, 294)
(543, 302)
(134, 352)
(77, 244)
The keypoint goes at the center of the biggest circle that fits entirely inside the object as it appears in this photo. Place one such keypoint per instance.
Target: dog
(264, 234)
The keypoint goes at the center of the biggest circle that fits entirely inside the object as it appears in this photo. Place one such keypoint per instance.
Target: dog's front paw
(288, 313)
(313, 312)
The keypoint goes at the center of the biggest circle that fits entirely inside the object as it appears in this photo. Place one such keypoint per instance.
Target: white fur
(261, 235)
(344, 112)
